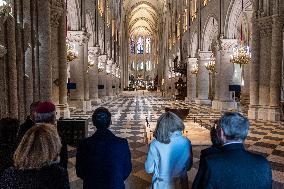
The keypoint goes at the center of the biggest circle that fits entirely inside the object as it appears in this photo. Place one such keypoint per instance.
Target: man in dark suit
(103, 160)
(234, 167)
(214, 148)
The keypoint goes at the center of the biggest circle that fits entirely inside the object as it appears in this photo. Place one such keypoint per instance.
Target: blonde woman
(169, 156)
(35, 162)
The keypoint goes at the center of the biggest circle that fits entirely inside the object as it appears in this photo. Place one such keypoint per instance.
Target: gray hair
(235, 126)
(167, 123)
(45, 117)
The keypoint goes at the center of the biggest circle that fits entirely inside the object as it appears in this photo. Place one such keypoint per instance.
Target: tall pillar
(102, 75)
(254, 71)
(94, 53)
(44, 36)
(87, 102)
(109, 91)
(77, 68)
(264, 67)
(274, 113)
(12, 68)
(63, 106)
(3, 104)
(224, 77)
(28, 78)
(191, 80)
(203, 78)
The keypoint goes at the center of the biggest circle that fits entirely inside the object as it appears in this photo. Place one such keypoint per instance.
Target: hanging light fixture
(72, 54)
(194, 69)
(241, 55)
(211, 65)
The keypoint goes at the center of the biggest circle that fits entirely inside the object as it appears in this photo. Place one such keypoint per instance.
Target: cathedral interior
(138, 57)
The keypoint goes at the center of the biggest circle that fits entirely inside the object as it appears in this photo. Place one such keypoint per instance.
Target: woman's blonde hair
(39, 147)
(167, 123)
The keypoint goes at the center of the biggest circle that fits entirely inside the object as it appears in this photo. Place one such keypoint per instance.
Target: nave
(129, 111)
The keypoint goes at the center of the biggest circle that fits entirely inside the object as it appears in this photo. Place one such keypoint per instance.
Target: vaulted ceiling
(143, 16)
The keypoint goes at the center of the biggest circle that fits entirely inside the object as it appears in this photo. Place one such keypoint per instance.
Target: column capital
(3, 51)
(265, 26)
(4, 13)
(227, 45)
(103, 58)
(56, 12)
(204, 55)
(80, 37)
(94, 51)
(191, 61)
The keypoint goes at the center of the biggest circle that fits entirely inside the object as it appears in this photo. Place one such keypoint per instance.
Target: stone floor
(129, 113)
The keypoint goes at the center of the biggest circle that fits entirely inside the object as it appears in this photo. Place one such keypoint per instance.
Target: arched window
(132, 46)
(140, 46)
(148, 66)
(148, 45)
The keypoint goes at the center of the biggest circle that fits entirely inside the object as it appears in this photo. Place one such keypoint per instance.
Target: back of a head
(235, 126)
(8, 130)
(214, 137)
(101, 118)
(39, 147)
(166, 124)
(45, 113)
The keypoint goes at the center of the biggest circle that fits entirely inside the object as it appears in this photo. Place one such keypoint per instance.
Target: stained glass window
(148, 66)
(148, 45)
(132, 46)
(140, 47)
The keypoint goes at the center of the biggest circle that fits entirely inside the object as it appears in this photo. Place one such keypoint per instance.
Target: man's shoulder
(210, 150)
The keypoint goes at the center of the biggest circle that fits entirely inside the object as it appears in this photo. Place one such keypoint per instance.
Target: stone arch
(234, 15)
(210, 33)
(73, 15)
(194, 45)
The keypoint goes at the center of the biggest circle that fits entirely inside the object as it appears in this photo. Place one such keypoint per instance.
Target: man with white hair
(233, 166)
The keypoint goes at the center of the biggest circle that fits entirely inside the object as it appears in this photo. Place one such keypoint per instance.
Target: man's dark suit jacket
(236, 168)
(103, 161)
(204, 153)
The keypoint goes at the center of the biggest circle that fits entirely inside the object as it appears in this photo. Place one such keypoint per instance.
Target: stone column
(12, 68)
(3, 104)
(274, 113)
(44, 36)
(191, 80)
(94, 53)
(254, 71)
(87, 102)
(102, 75)
(28, 78)
(264, 67)
(225, 72)
(63, 106)
(203, 78)
(77, 68)
(109, 91)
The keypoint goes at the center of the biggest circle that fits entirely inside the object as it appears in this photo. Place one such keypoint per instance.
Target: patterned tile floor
(129, 112)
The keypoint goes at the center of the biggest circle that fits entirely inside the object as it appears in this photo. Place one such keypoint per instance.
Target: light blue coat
(169, 162)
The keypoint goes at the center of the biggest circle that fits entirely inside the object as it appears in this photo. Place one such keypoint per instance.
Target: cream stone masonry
(102, 75)
(191, 80)
(78, 68)
(224, 75)
(94, 53)
(203, 78)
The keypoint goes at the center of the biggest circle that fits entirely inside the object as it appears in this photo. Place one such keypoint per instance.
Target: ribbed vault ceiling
(143, 16)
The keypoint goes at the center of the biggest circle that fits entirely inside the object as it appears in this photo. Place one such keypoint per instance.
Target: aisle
(129, 112)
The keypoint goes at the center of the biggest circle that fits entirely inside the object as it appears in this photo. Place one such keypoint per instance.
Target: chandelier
(194, 69)
(241, 55)
(211, 65)
(72, 54)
